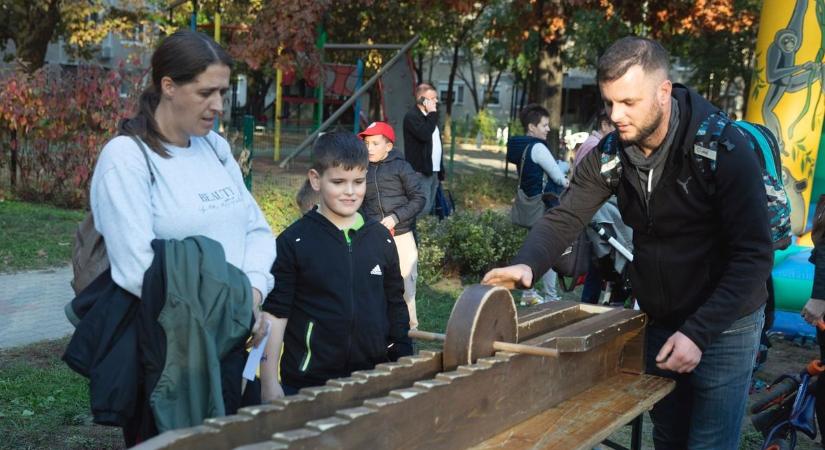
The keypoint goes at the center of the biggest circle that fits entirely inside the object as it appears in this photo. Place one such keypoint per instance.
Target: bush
(432, 246)
(277, 204)
(486, 123)
(468, 243)
(53, 124)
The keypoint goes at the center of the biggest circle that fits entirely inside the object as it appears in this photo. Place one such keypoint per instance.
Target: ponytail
(143, 124)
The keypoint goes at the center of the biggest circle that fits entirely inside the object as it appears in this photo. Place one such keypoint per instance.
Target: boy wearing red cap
(394, 197)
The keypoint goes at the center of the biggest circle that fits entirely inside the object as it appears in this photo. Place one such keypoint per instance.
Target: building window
(494, 99)
(458, 92)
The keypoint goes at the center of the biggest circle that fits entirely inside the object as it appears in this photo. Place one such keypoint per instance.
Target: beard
(647, 128)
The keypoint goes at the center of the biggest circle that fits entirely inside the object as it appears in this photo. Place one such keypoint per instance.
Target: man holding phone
(422, 143)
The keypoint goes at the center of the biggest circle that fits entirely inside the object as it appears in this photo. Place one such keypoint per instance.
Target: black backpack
(707, 143)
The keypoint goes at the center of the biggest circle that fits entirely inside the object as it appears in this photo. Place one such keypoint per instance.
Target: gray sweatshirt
(197, 191)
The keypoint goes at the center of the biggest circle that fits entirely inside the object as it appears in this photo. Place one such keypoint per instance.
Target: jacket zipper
(378, 191)
(352, 305)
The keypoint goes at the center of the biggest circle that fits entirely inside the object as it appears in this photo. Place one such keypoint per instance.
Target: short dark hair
(532, 115)
(339, 149)
(631, 51)
(182, 57)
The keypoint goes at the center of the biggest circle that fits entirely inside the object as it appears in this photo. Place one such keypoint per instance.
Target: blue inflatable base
(791, 325)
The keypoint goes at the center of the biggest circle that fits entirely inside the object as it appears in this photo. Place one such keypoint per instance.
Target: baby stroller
(611, 251)
(787, 406)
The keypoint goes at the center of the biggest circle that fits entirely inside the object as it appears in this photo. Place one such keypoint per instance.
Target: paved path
(31, 306)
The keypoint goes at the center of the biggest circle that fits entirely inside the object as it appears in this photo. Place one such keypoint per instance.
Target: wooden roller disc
(481, 316)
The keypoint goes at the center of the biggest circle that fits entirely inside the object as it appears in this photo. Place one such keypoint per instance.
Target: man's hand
(813, 311)
(430, 105)
(389, 222)
(510, 277)
(679, 354)
(258, 329)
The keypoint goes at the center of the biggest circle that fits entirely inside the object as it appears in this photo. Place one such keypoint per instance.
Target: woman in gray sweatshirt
(169, 176)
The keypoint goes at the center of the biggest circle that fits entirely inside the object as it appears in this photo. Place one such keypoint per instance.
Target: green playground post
(452, 151)
(319, 90)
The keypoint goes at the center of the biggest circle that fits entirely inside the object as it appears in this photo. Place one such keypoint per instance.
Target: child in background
(338, 301)
(394, 197)
(307, 198)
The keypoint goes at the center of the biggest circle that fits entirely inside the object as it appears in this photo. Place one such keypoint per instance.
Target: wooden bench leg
(635, 436)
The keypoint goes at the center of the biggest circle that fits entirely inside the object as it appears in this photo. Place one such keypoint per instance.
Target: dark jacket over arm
(418, 140)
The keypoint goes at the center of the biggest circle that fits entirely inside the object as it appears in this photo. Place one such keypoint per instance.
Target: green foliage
(431, 249)
(35, 236)
(53, 124)
(467, 242)
(486, 123)
(278, 204)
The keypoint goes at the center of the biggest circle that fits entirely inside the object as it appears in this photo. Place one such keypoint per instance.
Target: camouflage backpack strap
(707, 143)
(611, 163)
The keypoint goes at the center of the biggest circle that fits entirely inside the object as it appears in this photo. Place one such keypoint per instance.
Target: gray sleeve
(541, 156)
(260, 246)
(122, 208)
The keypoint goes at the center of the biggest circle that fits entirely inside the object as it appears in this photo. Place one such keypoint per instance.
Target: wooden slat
(592, 331)
(258, 423)
(587, 419)
(462, 408)
(547, 317)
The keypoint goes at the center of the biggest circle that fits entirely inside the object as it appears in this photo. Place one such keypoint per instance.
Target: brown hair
(532, 115)
(628, 52)
(181, 56)
(339, 149)
(307, 198)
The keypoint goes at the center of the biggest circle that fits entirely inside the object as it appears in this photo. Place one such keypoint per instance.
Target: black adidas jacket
(344, 301)
(393, 188)
(700, 261)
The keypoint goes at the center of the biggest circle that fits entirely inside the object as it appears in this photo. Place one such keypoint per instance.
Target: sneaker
(551, 298)
(530, 297)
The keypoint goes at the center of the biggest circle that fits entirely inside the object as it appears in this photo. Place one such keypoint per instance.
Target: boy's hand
(389, 222)
(510, 277)
(270, 393)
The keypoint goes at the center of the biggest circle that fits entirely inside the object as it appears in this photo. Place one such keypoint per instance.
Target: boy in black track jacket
(338, 300)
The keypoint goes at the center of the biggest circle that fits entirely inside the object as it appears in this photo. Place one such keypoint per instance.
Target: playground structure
(787, 96)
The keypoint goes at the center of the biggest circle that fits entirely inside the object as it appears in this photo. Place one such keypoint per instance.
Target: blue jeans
(705, 410)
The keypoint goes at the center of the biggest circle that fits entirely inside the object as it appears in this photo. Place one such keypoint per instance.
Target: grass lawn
(35, 236)
(43, 404)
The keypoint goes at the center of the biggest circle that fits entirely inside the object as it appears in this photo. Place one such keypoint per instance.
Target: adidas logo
(376, 270)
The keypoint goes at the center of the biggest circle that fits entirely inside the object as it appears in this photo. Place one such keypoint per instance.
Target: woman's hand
(259, 328)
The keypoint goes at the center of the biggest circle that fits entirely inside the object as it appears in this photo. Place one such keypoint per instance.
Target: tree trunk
(13, 159)
(448, 115)
(33, 36)
(419, 67)
(546, 88)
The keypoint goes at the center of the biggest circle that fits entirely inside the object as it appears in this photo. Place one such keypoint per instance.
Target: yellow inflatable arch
(787, 92)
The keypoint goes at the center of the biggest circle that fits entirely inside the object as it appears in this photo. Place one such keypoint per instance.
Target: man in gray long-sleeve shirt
(701, 257)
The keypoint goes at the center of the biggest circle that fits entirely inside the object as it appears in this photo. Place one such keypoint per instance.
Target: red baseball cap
(376, 128)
